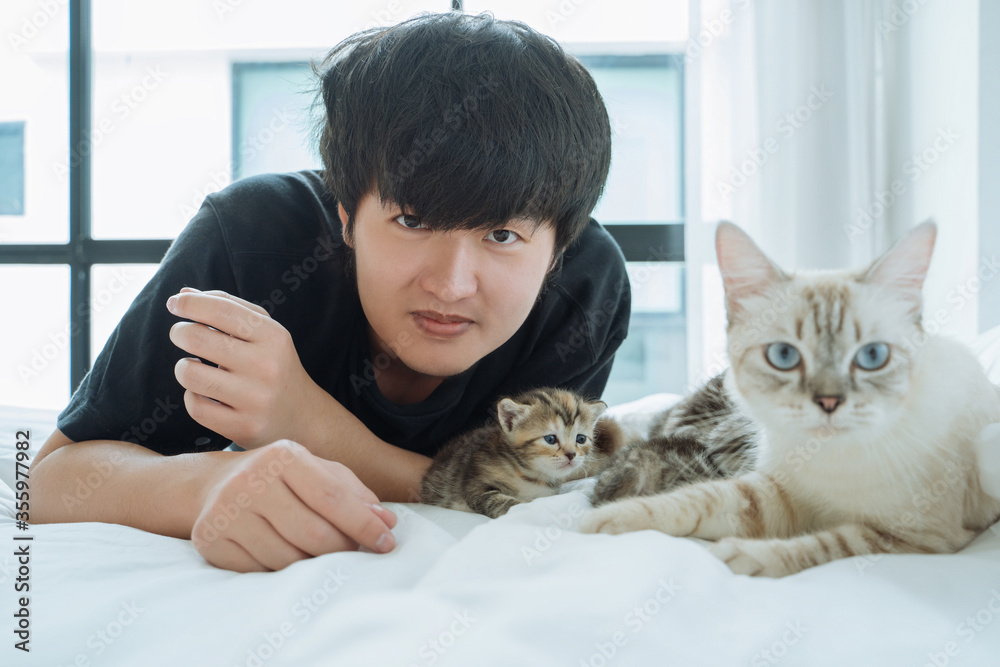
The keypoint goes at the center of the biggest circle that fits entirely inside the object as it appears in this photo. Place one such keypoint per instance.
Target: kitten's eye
(782, 356)
(581, 438)
(872, 356)
(409, 221)
(503, 237)
(551, 439)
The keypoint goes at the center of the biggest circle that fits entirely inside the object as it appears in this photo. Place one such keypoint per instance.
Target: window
(643, 208)
(12, 168)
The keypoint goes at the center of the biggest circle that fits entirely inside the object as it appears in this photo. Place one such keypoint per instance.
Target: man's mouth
(439, 317)
(441, 325)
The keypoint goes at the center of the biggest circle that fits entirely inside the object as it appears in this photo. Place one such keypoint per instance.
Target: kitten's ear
(903, 267)
(745, 269)
(597, 409)
(510, 413)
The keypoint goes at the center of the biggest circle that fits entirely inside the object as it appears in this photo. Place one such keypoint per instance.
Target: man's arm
(273, 506)
(393, 473)
(138, 488)
(134, 490)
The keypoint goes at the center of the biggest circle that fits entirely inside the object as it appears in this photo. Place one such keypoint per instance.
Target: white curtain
(826, 129)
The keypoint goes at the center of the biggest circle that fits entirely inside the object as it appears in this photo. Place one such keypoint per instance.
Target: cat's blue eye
(581, 438)
(782, 356)
(551, 439)
(872, 356)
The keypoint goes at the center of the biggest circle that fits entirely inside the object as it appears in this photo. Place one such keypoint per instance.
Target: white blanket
(464, 590)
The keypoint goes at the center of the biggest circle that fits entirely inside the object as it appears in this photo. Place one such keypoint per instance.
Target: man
(354, 319)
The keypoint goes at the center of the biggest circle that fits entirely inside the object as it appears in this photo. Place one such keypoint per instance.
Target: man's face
(442, 301)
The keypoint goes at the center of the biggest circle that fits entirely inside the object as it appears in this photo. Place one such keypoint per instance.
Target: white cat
(869, 426)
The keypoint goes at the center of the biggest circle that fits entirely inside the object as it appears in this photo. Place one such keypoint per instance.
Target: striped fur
(704, 436)
(508, 461)
(891, 468)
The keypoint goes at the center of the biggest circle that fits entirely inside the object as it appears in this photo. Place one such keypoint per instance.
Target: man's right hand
(279, 504)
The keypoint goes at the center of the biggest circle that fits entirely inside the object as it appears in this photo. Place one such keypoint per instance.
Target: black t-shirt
(275, 240)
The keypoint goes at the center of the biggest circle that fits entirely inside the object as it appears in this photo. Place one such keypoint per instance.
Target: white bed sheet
(464, 590)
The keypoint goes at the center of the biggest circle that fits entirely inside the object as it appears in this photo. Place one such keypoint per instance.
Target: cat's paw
(755, 558)
(623, 516)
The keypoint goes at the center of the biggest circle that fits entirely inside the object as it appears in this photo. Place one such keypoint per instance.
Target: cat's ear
(746, 270)
(597, 409)
(510, 413)
(903, 267)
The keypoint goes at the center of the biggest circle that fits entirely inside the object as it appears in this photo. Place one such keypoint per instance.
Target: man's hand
(260, 392)
(280, 504)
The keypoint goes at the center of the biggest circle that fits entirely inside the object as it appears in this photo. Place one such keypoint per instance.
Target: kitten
(868, 426)
(703, 436)
(540, 439)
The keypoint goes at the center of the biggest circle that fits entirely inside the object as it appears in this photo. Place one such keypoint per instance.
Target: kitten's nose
(829, 403)
(570, 455)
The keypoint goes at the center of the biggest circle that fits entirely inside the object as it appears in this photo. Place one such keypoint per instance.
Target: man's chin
(438, 369)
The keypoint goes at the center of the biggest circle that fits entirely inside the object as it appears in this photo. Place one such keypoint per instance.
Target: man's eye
(409, 221)
(503, 236)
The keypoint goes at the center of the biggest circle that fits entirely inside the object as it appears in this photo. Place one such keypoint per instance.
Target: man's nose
(451, 271)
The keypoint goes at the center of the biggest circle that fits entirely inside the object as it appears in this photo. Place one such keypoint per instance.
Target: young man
(354, 319)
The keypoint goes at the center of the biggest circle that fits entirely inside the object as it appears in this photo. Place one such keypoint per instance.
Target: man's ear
(343, 223)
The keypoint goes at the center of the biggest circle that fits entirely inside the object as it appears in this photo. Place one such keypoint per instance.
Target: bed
(461, 589)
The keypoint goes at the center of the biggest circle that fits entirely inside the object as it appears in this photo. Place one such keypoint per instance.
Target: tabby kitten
(867, 425)
(540, 439)
(703, 436)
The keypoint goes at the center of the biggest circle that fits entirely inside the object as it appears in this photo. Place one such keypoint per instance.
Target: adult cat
(868, 426)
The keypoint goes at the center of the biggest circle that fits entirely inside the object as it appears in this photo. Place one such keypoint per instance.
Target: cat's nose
(570, 455)
(828, 403)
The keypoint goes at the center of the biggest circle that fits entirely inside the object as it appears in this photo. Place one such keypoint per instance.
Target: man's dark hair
(466, 122)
